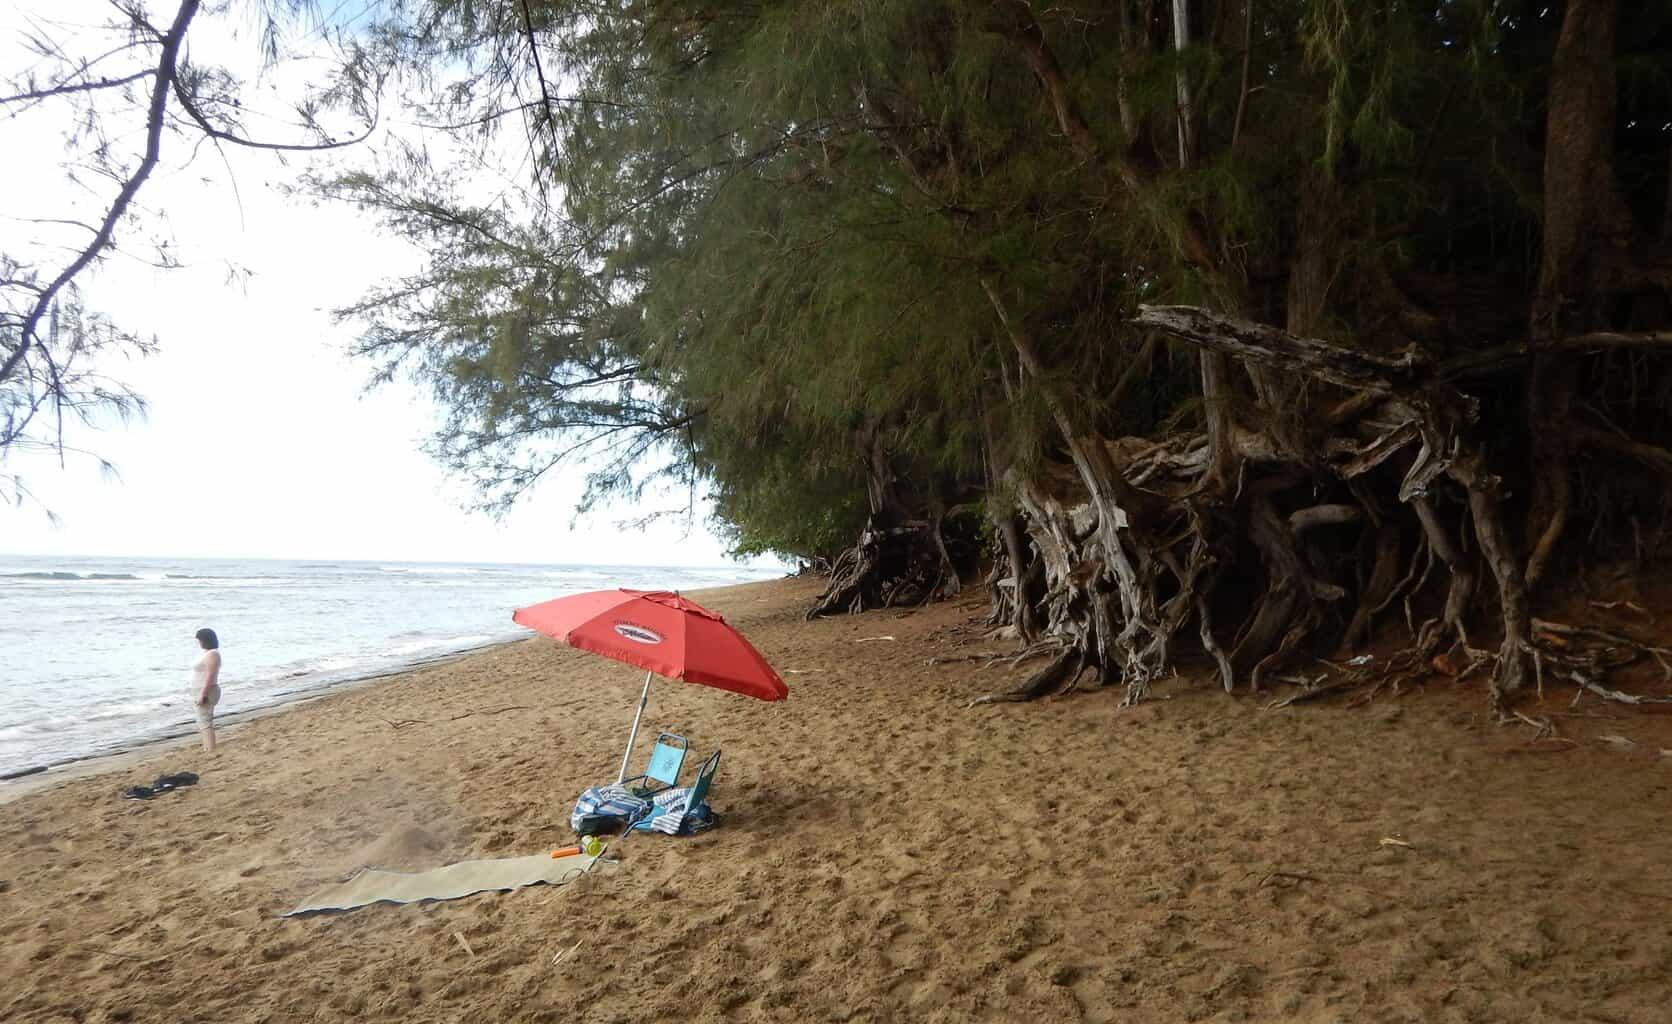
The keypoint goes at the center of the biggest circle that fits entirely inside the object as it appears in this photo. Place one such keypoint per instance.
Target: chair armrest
(642, 785)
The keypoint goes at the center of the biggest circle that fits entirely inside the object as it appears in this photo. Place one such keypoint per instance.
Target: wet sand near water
(886, 853)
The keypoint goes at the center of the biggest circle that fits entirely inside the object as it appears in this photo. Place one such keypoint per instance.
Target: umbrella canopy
(662, 633)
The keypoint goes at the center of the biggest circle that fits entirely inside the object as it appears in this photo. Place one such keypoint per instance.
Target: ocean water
(97, 652)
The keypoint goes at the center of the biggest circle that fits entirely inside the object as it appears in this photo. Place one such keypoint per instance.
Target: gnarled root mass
(1259, 548)
(901, 565)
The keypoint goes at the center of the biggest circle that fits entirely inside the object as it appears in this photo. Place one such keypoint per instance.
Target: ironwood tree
(1252, 331)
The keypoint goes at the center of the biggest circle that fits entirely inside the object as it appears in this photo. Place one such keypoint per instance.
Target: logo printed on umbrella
(639, 634)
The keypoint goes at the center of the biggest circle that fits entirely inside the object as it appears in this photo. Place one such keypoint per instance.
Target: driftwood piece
(1280, 350)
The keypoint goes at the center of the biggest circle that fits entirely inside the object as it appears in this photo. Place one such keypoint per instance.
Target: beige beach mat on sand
(448, 883)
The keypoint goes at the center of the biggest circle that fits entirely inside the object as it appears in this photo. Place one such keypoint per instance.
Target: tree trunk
(1587, 230)
(1187, 113)
(1022, 618)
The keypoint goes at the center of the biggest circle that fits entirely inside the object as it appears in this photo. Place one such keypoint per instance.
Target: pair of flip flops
(163, 784)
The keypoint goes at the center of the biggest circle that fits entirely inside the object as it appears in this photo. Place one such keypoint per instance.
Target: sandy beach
(886, 853)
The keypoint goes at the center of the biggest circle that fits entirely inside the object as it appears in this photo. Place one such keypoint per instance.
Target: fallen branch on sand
(1293, 876)
(954, 659)
(1630, 606)
(564, 955)
(1543, 728)
(492, 711)
(1584, 654)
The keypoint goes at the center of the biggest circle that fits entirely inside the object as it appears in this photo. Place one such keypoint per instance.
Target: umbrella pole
(644, 698)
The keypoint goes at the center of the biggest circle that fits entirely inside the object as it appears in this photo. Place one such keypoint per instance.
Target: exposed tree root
(1056, 677)
(1580, 655)
(991, 658)
(1312, 690)
(903, 565)
(1134, 538)
(1584, 655)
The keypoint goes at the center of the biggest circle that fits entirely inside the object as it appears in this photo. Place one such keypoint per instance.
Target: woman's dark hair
(208, 639)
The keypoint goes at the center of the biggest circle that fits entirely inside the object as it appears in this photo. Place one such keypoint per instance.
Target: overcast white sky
(261, 441)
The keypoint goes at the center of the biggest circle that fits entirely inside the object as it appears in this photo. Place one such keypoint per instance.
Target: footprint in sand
(276, 951)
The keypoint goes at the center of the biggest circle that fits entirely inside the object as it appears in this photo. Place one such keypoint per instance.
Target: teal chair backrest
(705, 774)
(667, 760)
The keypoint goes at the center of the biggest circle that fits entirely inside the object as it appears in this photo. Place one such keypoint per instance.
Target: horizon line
(376, 561)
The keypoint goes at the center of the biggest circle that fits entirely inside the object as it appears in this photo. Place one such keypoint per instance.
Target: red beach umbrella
(662, 633)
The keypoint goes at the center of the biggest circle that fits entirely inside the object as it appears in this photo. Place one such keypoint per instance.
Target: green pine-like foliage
(757, 237)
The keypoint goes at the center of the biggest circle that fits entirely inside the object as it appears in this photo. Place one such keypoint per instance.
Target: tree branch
(1350, 368)
(540, 75)
(1277, 348)
(165, 72)
(68, 88)
(1653, 456)
(1493, 359)
(202, 122)
(1247, 54)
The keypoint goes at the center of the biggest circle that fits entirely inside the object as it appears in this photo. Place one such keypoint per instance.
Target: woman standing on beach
(206, 686)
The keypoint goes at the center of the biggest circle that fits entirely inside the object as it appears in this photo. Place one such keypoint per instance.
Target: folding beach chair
(662, 773)
(618, 807)
(683, 811)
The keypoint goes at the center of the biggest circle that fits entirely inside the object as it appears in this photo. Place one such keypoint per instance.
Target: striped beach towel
(673, 814)
(609, 802)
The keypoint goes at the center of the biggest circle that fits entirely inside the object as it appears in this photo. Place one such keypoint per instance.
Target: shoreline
(35, 778)
(62, 712)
